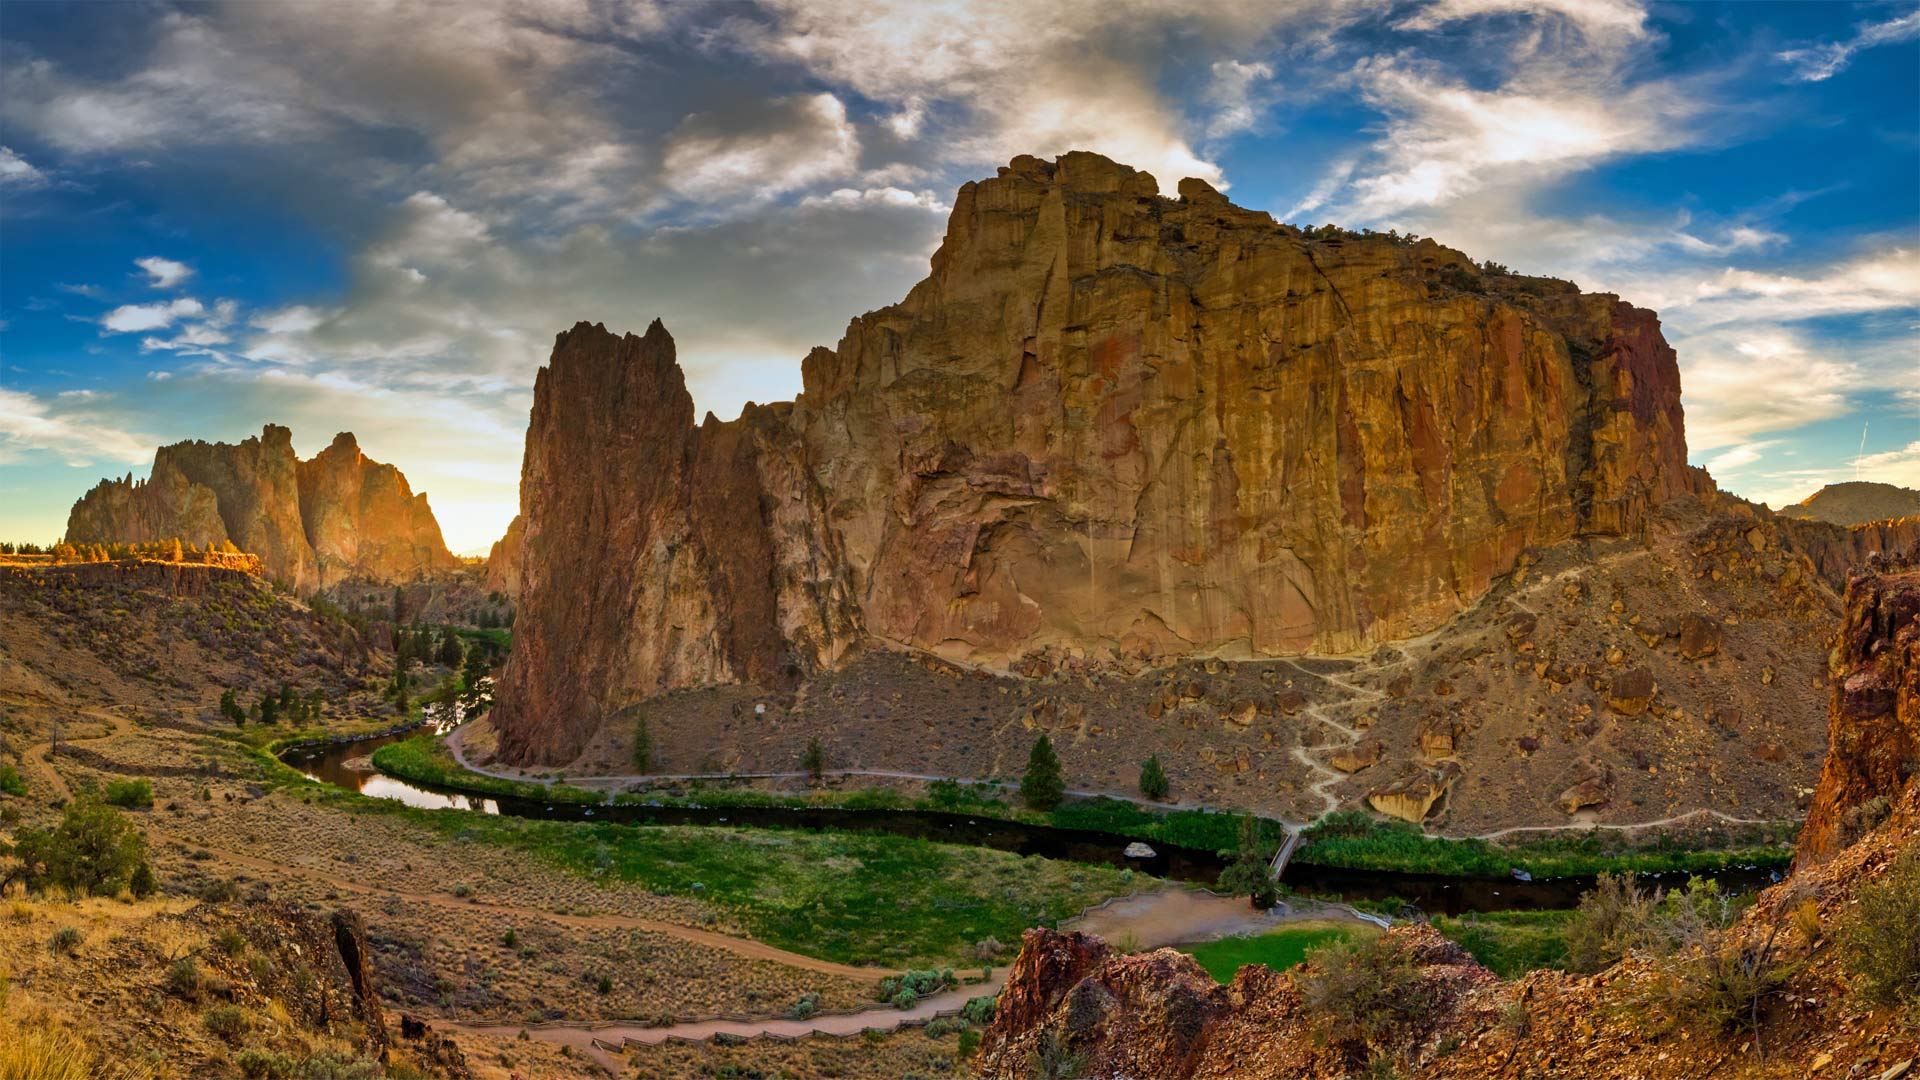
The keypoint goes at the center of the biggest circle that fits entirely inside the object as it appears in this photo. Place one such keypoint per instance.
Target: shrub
(510, 939)
(642, 747)
(904, 999)
(979, 1011)
(184, 979)
(94, 849)
(133, 794)
(1153, 779)
(968, 1044)
(11, 782)
(808, 1005)
(814, 761)
(1365, 998)
(1880, 940)
(605, 985)
(227, 1022)
(230, 941)
(65, 940)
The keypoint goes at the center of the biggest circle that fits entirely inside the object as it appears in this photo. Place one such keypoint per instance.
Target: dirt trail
(593, 1040)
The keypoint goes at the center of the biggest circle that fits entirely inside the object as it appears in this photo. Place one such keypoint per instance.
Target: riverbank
(1348, 840)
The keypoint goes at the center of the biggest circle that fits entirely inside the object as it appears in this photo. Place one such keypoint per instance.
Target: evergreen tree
(1153, 779)
(1247, 874)
(399, 603)
(814, 761)
(475, 697)
(230, 707)
(1042, 787)
(287, 700)
(451, 651)
(176, 553)
(642, 747)
(269, 709)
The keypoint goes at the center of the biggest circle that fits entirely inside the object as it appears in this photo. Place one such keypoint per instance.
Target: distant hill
(1856, 502)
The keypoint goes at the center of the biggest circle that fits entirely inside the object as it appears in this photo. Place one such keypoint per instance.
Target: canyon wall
(312, 523)
(1108, 423)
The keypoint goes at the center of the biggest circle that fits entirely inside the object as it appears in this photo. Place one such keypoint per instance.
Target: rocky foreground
(339, 515)
(1075, 999)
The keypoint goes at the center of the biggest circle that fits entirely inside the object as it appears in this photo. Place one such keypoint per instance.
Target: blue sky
(375, 217)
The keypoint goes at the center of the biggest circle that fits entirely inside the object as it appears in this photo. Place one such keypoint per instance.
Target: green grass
(1202, 829)
(425, 759)
(1512, 943)
(1354, 840)
(501, 638)
(1278, 950)
(852, 897)
(858, 898)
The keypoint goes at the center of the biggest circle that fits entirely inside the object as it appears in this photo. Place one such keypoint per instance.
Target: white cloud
(1232, 95)
(17, 172)
(1745, 382)
(1625, 19)
(1446, 140)
(163, 273)
(881, 196)
(1900, 466)
(132, 318)
(1739, 456)
(297, 319)
(1817, 63)
(788, 143)
(79, 437)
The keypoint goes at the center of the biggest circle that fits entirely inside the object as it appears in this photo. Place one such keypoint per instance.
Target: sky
(375, 217)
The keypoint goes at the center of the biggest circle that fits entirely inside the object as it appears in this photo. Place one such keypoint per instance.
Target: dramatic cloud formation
(386, 211)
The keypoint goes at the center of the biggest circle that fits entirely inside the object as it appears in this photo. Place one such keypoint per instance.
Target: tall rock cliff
(363, 519)
(312, 524)
(1873, 724)
(654, 554)
(1108, 423)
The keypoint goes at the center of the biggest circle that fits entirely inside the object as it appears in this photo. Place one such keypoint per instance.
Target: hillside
(1856, 502)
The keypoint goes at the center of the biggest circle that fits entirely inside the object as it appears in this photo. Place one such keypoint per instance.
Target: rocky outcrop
(363, 520)
(1837, 551)
(1108, 424)
(315, 523)
(1856, 502)
(1071, 999)
(655, 554)
(1873, 724)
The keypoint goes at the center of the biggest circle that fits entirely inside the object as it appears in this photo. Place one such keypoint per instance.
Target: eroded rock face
(657, 555)
(1873, 725)
(363, 520)
(1108, 423)
(338, 516)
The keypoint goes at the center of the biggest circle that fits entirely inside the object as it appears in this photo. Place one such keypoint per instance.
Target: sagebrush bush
(133, 794)
(1365, 997)
(229, 1022)
(1880, 940)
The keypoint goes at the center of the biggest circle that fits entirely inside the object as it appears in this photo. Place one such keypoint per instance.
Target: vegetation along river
(343, 765)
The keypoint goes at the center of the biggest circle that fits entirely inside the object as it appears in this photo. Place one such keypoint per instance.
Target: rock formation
(1856, 502)
(312, 523)
(503, 559)
(362, 518)
(1873, 725)
(1107, 424)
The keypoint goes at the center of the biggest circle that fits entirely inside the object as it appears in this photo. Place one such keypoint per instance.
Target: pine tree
(230, 708)
(814, 761)
(1042, 787)
(176, 553)
(1153, 779)
(475, 697)
(269, 709)
(451, 651)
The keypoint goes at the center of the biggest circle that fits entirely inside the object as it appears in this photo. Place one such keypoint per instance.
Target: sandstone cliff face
(1873, 725)
(362, 518)
(312, 524)
(1111, 420)
(655, 554)
(1108, 424)
(503, 559)
(1837, 551)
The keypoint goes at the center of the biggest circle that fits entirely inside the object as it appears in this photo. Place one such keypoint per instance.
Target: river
(340, 764)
